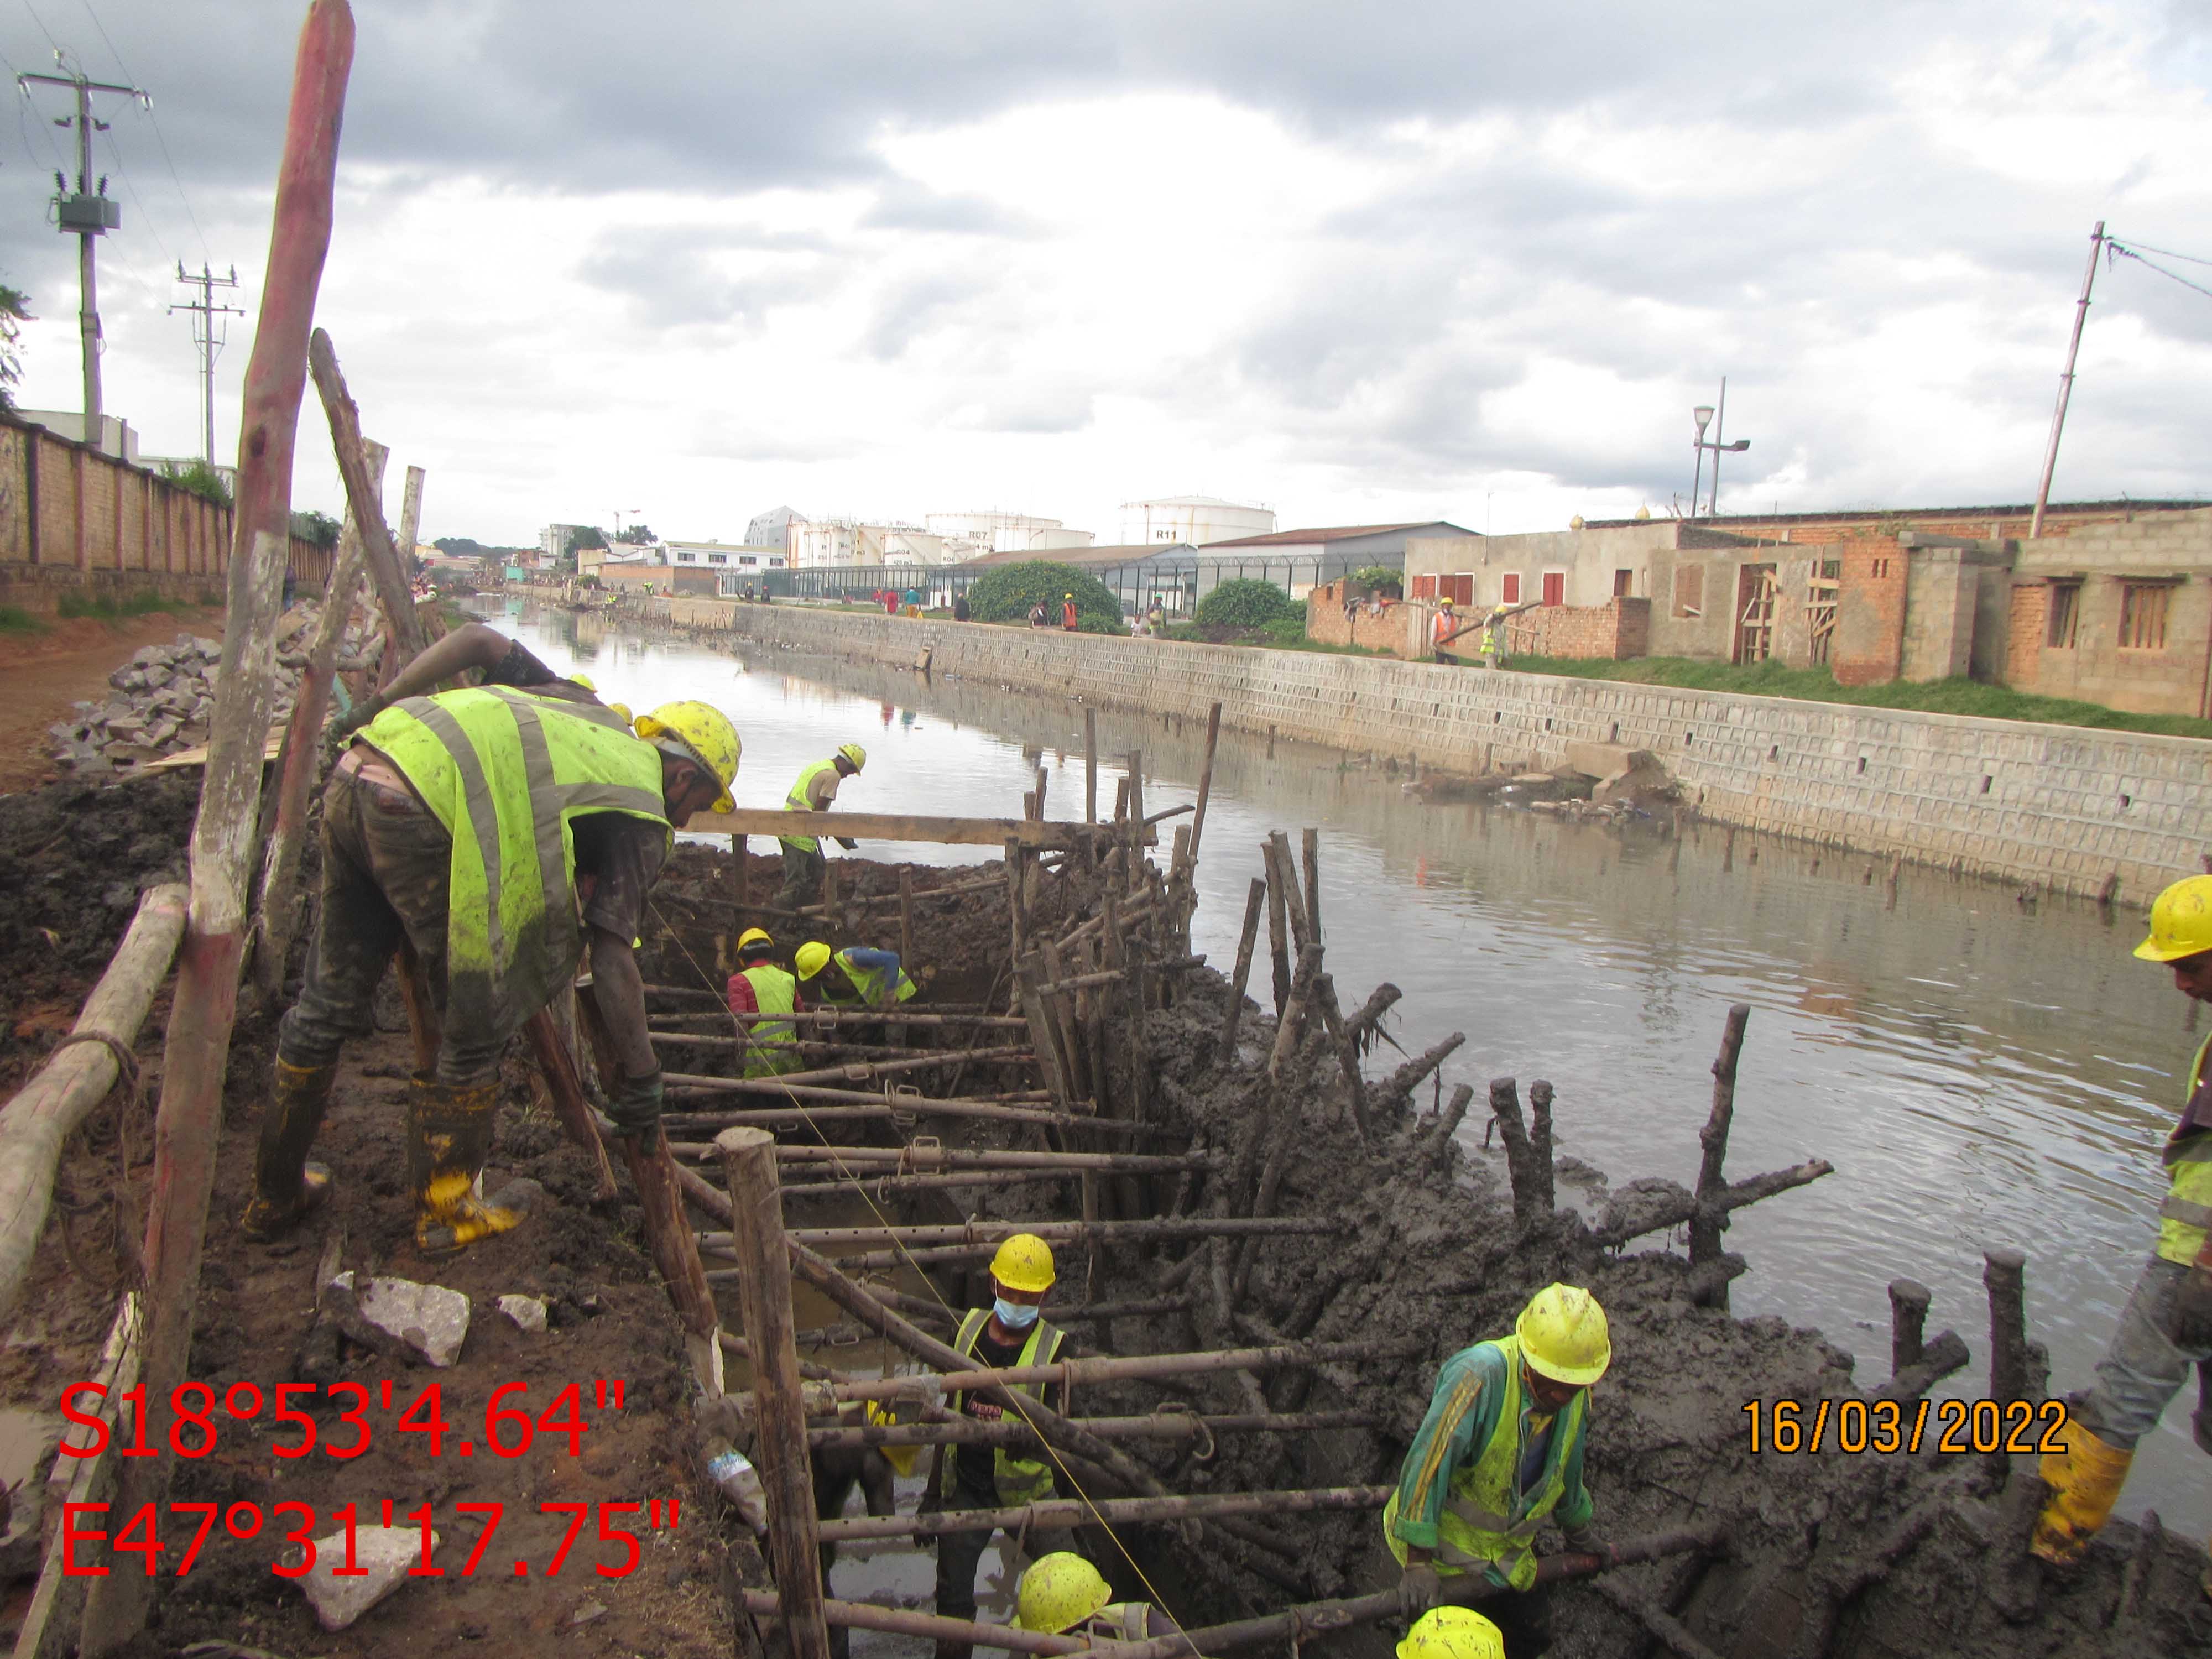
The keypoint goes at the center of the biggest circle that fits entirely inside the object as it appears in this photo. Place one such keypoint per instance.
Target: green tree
(583, 536)
(201, 479)
(318, 529)
(1007, 593)
(637, 535)
(15, 312)
(1246, 603)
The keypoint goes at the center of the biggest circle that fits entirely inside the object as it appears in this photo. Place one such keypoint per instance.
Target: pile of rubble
(165, 696)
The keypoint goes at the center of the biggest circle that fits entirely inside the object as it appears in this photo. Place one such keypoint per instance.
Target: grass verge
(13, 619)
(1957, 695)
(110, 609)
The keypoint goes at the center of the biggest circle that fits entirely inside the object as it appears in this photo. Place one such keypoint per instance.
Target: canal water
(1981, 1071)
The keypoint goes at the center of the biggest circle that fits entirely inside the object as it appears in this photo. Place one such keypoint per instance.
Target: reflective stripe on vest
(1016, 1479)
(505, 773)
(774, 992)
(2185, 1215)
(870, 981)
(1121, 1621)
(796, 801)
(1484, 1523)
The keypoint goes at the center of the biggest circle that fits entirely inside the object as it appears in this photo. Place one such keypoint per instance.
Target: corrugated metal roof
(1342, 532)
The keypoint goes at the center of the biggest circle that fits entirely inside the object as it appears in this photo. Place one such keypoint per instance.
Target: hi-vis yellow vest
(796, 801)
(872, 982)
(1018, 1479)
(774, 992)
(1482, 1525)
(2186, 1214)
(507, 774)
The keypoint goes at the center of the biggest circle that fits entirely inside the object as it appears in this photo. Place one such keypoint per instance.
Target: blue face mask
(1015, 1316)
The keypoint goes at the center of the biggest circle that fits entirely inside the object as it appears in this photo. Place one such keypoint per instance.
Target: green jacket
(2186, 1214)
(1465, 1459)
(796, 801)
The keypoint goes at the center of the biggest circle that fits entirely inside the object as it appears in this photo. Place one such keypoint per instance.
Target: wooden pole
(1161, 1426)
(1279, 950)
(1310, 842)
(1108, 1512)
(1908, 1322)
(1204, 778)
(411, 511)
(1255, 900)
(1090, 766)
(900, 1621)
(195, 1060)
(386, 571)
(1707, 1224)
(983, 1235)
(771, 1333)
(740, 876)
(557, 1062)
(906, 916)
(296, 767)
(1734, 1196)
(76, 1078)
(2004, 1276)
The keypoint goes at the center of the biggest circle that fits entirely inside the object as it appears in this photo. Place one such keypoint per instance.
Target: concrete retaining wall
(2062, 805)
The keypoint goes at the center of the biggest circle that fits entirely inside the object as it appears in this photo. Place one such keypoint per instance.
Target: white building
(1198, 519)
(553, 541)
(972, 535)
(772, 528)
(747, 559)
(849, 543)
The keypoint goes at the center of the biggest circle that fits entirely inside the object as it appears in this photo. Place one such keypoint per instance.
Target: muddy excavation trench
(1228, 1159)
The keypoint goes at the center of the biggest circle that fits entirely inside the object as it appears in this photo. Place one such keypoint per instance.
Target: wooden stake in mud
(386, 571)
(1311, 847)
(196, 1061)
(296, 768)
(1908, 1319)
(771, 1334)
(1204, 778)
(1540, 1145)
(1278, 948)
(557, 1062)
(906, 914)
(1255, 901)
(1020, 943)
(740, 876)
(2012, 1358)
(1529, 1185)
(1706, 1224)
(1090, 766)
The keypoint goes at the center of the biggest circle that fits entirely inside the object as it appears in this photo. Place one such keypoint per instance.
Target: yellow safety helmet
(753, 936)
(1445, 602)
(584, 680)
(1023, 1263)
(1452, 1633)
(813, 956)
(621, 709)
(854, 753)
(1059, 1592)
(701, 733)
(1563, 1335)
(2180, 921)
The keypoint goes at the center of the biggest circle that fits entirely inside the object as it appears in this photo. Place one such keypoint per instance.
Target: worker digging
(814, 791)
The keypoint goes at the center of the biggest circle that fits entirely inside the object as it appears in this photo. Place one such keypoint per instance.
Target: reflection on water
(1979, 1073)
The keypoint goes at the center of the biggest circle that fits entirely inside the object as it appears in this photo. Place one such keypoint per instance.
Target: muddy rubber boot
(448, 1138)
(2085, 1482)
(286, 1187)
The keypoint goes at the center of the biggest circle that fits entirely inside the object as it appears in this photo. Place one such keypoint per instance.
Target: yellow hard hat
(2180, 921)
(1563, 1335)
(621, 709)
(754, 936)
(701, 733)
(584, 680)
(813, 956)
(1058, 1592)
(854, 753)
(1023, 1263)
(1452, 1633)
(1068, 595)
(1445, 602)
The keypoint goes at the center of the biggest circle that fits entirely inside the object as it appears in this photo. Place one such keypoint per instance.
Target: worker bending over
(502, 832)
(1500, 1452)
(1011, 1332)
(1064, 1594)
(759, 987)
(804, 867)
(864, 978)
(2166, 1327)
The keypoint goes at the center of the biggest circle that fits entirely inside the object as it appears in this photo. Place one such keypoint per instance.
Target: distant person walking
(960, 608)
(1067, 613)
(1037, 617)
(1443, 631)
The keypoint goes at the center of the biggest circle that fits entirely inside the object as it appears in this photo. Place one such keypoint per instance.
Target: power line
(159, 137)
(2126, 252)
(2167, 253)
(130, 184)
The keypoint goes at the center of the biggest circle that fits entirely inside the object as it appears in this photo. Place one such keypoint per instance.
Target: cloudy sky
(1411, 259)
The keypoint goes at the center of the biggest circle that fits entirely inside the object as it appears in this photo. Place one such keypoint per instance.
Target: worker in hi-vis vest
(504, 832)
(759, 987)
(864, 978)
(2165, 1330)
(1499, 1453)
(817, 788)
(1009, 1332)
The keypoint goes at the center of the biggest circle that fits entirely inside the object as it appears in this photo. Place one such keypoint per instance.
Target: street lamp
(1702, 415)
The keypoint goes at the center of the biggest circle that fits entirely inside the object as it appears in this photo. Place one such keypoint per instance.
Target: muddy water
(1981, 1073)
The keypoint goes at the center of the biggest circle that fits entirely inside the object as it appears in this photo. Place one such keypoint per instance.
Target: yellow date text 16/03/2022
(2021, 1427)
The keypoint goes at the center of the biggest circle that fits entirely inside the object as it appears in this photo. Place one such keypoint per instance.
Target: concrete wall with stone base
(2062, 806)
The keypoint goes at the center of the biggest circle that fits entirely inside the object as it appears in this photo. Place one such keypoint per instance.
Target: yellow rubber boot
(286, 1187)
(448, 1138)
(2085, 1482)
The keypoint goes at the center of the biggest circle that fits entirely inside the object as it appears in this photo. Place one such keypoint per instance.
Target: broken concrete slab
(382, 1553)
(1602, 760)
(429, 1319)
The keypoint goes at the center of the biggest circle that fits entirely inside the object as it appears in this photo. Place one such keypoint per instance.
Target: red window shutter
(1555, 587)
(1511, 592)
(1424, 587)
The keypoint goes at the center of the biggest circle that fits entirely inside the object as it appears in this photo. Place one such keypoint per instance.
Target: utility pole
(2066, 383)
(85, 213)
(205, 311)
